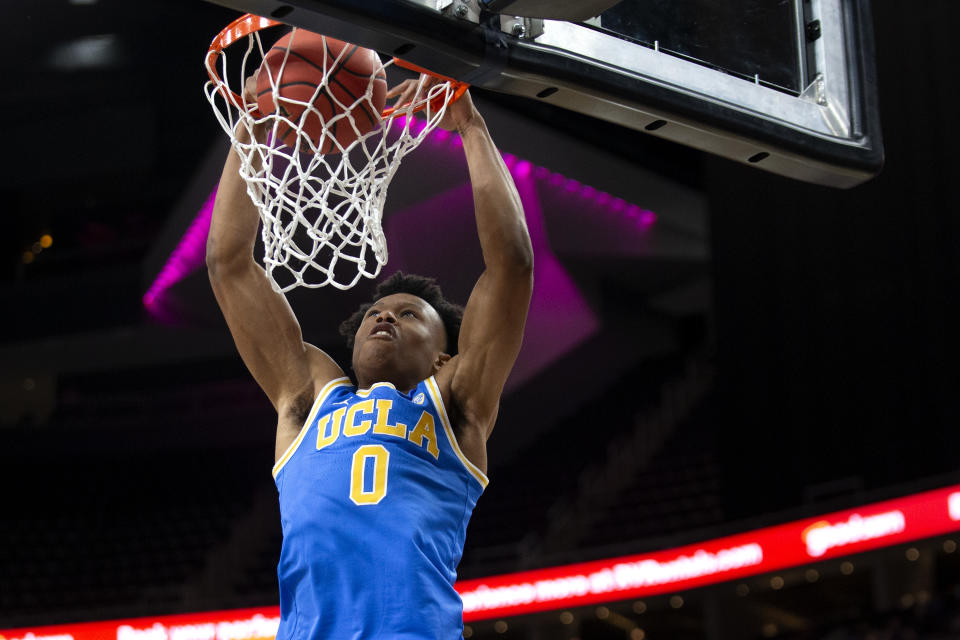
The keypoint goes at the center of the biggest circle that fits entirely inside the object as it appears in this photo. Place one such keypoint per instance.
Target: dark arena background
(735, 414)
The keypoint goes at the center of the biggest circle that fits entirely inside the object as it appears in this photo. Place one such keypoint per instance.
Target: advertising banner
(755, 552)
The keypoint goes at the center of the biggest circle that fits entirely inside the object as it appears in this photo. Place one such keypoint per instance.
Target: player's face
(399, 341)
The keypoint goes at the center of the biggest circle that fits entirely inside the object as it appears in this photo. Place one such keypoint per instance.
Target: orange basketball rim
(248, 24)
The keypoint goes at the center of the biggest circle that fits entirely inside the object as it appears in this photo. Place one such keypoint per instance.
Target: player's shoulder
(323, 368)
(444, 380)
(454, 400)
(325, 375)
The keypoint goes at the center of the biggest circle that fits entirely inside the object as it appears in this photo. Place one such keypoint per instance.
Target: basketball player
(377, 479)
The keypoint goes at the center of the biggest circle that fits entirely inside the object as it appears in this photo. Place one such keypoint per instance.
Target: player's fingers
(423, 89)
(415, 94)
(398, 89)
(429, 81)
(405, 98)
(250, 89)
(408, 98)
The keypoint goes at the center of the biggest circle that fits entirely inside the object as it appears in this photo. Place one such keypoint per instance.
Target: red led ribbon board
(796, 543)
(788, 545)
(237, 624)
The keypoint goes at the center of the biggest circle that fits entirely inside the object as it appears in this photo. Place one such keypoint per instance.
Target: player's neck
(399, 382)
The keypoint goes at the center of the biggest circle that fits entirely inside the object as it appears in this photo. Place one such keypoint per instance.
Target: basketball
(329, 79)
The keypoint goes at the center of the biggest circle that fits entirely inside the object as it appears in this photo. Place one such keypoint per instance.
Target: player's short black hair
(425, 288)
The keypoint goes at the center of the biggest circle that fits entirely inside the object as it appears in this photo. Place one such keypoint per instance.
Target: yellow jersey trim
(363, 393)
(324, 392)
(434, 391)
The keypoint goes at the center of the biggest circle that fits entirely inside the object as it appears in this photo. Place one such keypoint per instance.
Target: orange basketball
(349, 70)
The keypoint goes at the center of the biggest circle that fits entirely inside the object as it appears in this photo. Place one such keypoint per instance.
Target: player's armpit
(268, 336)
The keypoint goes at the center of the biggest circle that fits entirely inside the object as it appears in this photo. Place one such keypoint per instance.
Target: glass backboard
(756, 40)
(787, 86)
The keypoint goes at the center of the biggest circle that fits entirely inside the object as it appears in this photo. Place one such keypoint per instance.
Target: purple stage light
(186, 258)
(415, 125)
(560, 317)
(644, 218)
(189, 254)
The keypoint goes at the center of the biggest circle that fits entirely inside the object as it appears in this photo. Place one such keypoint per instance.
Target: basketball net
(321, 213)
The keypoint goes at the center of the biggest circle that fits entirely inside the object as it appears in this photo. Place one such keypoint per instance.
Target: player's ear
(442, 359)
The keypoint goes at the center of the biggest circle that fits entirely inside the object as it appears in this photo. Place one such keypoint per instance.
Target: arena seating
(512, 521)
(102, 535)
(938, 619)
(128, 527)
(680, 491)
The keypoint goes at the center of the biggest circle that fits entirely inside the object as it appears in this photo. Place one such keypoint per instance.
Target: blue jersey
(375, 496)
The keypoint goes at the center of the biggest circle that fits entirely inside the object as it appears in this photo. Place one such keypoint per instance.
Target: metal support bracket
(568, 10)
(520, 27)
(461, 9)
(470, 10)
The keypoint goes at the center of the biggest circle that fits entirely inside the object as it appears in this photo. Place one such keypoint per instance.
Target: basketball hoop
(320, 201)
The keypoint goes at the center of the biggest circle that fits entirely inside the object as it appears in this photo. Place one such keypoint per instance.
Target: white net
(320, 199)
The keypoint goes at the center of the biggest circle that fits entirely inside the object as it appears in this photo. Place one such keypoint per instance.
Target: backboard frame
(829, 135)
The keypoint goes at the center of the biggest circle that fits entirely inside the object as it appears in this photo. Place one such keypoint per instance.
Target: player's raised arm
(495, 314)
(261, 321)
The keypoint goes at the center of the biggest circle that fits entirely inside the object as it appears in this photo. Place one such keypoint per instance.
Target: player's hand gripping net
(321, 212)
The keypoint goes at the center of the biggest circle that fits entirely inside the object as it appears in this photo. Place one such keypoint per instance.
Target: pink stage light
(189, 254)
(522, 169)
(186, 258)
